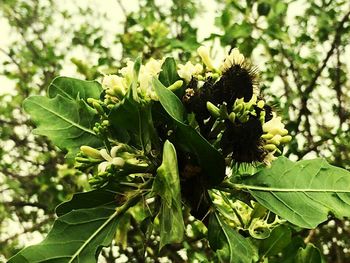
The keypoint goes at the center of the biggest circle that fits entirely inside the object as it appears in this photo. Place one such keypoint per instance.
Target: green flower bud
(176, 85)
(98, 107)
(286, 139)
(270, 147)
(238, 107)
(232, 117)
(214, 111)
(267, 136)
(261, 104)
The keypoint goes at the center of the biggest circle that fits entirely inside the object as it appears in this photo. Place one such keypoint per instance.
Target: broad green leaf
(170, 102)
(167, 186)
(210, 160)
(304, 193)
(66, 122)
(230, 246)
(309, 254)
(279, 238)
(89, 199)
(168, 75)
(71, 88)
(77, 236)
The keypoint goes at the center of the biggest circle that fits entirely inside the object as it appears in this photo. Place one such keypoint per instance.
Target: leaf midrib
(76, 254)
(65, 119)
(294, 190)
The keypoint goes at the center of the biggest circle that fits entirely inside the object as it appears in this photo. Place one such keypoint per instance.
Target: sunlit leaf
(71, 88)
(67, 129)
(167, 186)
(304, 193)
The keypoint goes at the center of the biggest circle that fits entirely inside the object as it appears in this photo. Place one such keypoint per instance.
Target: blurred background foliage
(302, 49)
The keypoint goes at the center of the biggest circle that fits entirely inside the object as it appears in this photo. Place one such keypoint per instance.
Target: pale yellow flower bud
(91, 152)
(203, 52)
(261, 104)
(286, 139)
(270, 147)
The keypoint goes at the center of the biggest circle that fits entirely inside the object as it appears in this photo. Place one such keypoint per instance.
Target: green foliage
(304, 72)
(65, 128)
(189, 139)
(74, 89)
(87, 228)
(229, 245)
(304, 193)
(167, 186)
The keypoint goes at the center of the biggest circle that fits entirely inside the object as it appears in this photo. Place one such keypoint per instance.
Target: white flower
(128, 71)
(188, 70)
(203, 52)
(234, 58)
(275, 126)
(147, 72)
(115, 85)
(111, 159)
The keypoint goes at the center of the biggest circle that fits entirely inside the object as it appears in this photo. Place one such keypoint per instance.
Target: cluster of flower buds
(241, 110)
(275, 134)
(116, 86)
(119, 159)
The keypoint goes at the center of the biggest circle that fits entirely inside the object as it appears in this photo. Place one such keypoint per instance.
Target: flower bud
(286, 139)
(261, 104)
(203, 52)
(98, 107)
(270, 147)
(176, 85)
(232, 117)
(117, 161)
(91, 152)
(214, 111)
(275, 140)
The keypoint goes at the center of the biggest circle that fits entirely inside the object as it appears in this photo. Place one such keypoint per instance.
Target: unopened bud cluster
(118, 160)
(117, 85)
(275, 134)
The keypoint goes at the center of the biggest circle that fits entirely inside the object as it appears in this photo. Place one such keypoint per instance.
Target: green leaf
(132, 120)
(77, 236)
(229, 245)
(309, 254)
(66, 122)
(210, 160)
(72, 89)
(91, 199)
(167, 186)
(304, 193)
(170, 102)
(279, 238)
(168, 75)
